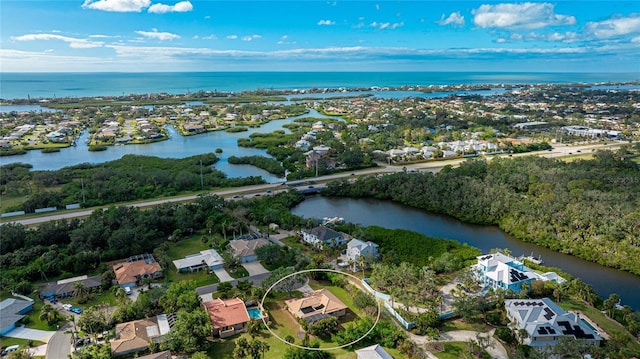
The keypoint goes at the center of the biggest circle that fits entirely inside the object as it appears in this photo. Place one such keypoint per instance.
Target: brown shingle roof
(224, 313)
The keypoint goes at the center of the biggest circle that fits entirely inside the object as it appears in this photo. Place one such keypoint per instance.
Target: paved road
(59, 345)
(256, 280)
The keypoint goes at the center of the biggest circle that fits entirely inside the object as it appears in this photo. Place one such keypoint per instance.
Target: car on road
(75, 310)
(310, 186)
(237, 196)
(67, 306)
(269, 191)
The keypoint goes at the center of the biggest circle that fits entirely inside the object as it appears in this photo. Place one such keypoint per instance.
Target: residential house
(194, 262)
(321, 235)
(11, 311)
(245, 250)
(228, 317)
(316, 305)
(135, 269)
(64, 288)
(357, 248)
(316, 154)
(545, 322)
(499, 270)
(373, 352)
(135, 336)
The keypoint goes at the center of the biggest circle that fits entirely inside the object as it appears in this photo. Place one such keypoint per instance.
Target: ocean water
(50, 85)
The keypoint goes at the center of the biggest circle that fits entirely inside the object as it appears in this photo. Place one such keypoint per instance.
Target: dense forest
(587, 208)
(68, 248)
(131, 177)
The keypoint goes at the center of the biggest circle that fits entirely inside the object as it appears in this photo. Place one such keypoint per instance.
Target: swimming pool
(254, 313)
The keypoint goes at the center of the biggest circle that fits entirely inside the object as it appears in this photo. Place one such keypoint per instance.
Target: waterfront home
(64, 288)
(357, 248)
(245, 250)
(207, 259)
(498, 270)
(11, 311)
(321, 235)
(135, 336)
(228, 317)
(135, 269)
(545, 322)
(316, 305)
(373, 352)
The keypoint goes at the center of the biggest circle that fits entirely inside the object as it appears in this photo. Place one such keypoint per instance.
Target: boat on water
(335, 220)
(532, 259)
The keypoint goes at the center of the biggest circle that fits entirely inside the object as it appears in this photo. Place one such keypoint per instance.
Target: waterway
(370, 212)
(177, 146)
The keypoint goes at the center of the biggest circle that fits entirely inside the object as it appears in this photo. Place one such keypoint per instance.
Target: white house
(545, 322)
(357, 248)
(373, 352)
(499, 270)
(194, 262)
(321, 235)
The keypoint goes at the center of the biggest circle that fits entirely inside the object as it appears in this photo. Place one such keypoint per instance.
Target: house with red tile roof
(135, 269)
(228, 317)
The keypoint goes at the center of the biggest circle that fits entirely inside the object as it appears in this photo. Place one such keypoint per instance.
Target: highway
(251, 191)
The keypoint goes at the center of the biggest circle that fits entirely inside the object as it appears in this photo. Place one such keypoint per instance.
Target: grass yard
(201, 278)
(187, 246)
(107, 296)
(459, 324)
(23, 343)
(455, 350)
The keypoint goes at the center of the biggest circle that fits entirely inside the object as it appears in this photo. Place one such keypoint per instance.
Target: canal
(372, 212)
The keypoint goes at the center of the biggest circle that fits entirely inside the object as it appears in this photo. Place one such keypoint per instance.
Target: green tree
(49, 314)
(324, 327)
(180, 295)
(190, 331)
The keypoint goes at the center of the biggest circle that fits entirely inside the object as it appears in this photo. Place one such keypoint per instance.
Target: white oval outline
(309, 348)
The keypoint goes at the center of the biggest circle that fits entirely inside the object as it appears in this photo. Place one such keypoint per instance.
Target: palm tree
(49, 314)
(79, 289)
(362, 263)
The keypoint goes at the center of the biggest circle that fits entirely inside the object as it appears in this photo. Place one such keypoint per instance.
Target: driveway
(223, 275)
(254, 268)
(30, 334)
(60, 344)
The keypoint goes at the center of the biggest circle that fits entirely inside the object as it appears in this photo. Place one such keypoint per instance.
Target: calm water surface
(371, 212)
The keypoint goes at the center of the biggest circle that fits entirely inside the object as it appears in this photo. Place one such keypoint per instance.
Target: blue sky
(304, 35)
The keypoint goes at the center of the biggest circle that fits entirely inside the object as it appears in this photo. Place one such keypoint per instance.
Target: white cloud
(614, 27)
(232, 37)
(326, 22)
(117, 5)
(73, 42)
(155, 34)
(48, 50)
(251, 38)
(387, 25)
(210, 37)
(377, 6)
(568, 36)
(524, 16)
(455, 18)
(182, 6)
(101, 36)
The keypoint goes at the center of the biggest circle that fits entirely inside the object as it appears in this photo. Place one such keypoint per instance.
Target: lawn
(108, 297)
(201, 278)
(23, 343)
(459, 324)
(455, 350)
(187, 246)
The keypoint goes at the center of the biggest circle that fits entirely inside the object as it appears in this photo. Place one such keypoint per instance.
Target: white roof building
(207, 258)
(545, 322)
(373, 352)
